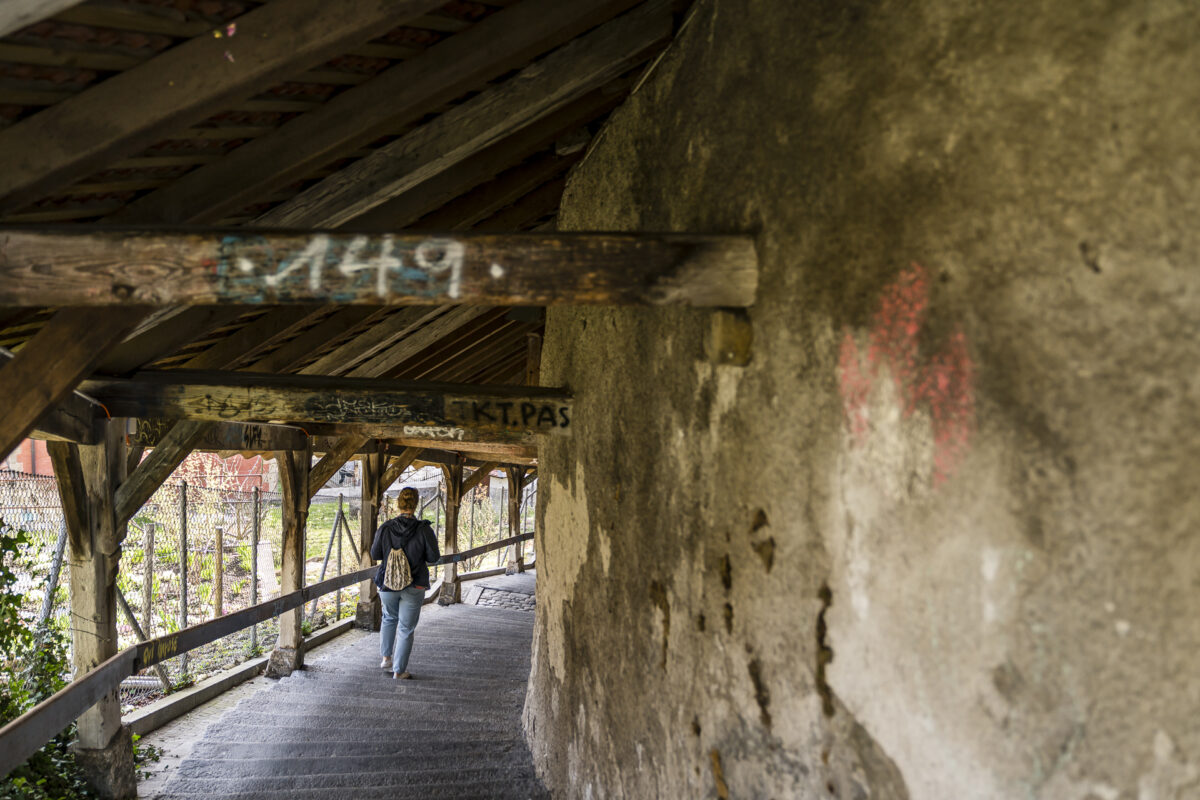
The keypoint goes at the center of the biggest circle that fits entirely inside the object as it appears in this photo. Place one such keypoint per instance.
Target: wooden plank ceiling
(184, 112)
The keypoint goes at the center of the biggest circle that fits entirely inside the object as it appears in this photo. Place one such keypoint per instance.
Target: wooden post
(451, 587)
(516, 557)
(293, 481)
(254, 528)
(368, 616)
(148, 579)
(219, 572)
(88, 477)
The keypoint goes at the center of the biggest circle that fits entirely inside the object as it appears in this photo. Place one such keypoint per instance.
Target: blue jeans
(400, 613)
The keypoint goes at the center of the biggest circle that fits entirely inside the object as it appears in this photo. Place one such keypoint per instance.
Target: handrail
(22, 737)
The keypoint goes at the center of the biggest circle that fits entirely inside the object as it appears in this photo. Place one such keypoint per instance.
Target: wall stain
(729, 618)
(766, 551)
(824, 651)
(658, 595)
(726, 572)
(762, 695)
(760, 521)
(719, 775)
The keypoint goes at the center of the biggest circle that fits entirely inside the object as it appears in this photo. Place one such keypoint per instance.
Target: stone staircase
(343, 729)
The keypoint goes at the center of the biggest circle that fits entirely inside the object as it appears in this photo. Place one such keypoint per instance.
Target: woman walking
(404, 546)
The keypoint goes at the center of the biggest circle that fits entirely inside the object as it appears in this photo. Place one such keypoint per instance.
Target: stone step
(481, 747)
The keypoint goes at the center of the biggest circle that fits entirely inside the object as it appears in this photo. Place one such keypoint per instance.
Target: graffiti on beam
(540, 417)
(339, 269)
(435, 432)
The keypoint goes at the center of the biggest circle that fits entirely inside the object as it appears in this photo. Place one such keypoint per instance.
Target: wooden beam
(174, 328)
(461, 63)
(478, 475)
(380, 336)
(422, 410)
(416, 342)
(185, 84)
(50, 365)
(225, 436)
(293, 353)
(451, 591)
(488, 451)
(64, 458)
(332, 461)
(16, 14)
(252, 339)
(108, 267)
(406, 208)
(565, 75)
(162, 461)
(397, 465)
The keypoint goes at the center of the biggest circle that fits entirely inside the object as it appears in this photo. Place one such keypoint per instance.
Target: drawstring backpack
(398, 574)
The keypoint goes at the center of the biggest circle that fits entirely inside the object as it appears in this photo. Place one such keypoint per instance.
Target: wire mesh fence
(193, 553)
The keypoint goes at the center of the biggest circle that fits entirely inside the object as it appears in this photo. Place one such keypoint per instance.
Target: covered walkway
(343, 728)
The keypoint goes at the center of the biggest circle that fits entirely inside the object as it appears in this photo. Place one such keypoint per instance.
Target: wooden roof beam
(130, 111)
(419, 410)
(565, 75)
(116, 267)
(17, 14)
(461, 63)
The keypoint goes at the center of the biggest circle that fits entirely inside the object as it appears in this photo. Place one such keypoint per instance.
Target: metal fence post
(254, 569)
(338, 600)
(183, 568)
(52, 581)
(148, 579)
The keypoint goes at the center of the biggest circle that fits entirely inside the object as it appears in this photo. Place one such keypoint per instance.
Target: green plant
(306, 627)
(33, 666)
(143, 756)
(245, 557)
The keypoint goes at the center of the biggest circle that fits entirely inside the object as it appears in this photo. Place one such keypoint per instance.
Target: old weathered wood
(332, 461)
(338, 325)
(403, 210)
(102, 267)
(516, 483)
(251, 340)
(50, 365)
(64, 458)
(459, 64)
(508, 188)
(174, 328)
(565, 75)
(380, 336)
(416, 342)
(451, 587)
(432, 411)
(504, 453)
(533, 358)
(293, 481)
(224, 436)
(367, 615)
(478, 475)
(397, 465)
(162, 461)
(131, 110)
(15, 14)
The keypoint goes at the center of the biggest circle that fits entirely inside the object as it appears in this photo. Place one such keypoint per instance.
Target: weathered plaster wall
(938, 540)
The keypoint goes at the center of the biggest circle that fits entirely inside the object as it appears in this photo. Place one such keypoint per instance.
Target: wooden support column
(294, 469)
(368, 615)
(516, 555)
(88, 477)
(451, 588)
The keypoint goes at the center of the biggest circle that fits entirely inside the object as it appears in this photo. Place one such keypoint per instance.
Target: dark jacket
(419, 542)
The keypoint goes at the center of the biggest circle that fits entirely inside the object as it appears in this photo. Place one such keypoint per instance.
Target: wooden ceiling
(360, 115)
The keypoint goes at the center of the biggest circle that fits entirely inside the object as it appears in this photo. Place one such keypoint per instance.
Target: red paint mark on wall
(941, 383)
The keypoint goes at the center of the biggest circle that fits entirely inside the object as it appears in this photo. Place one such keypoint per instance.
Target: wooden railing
(22, 737)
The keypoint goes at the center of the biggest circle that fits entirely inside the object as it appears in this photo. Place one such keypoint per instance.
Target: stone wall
(938, 539)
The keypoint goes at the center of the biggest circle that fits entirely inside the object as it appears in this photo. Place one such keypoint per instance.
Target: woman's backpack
(398, 574)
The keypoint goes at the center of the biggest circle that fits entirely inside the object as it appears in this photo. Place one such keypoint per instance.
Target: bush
(33, 666)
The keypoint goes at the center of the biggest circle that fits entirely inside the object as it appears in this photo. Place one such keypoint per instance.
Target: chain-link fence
(193, 553)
